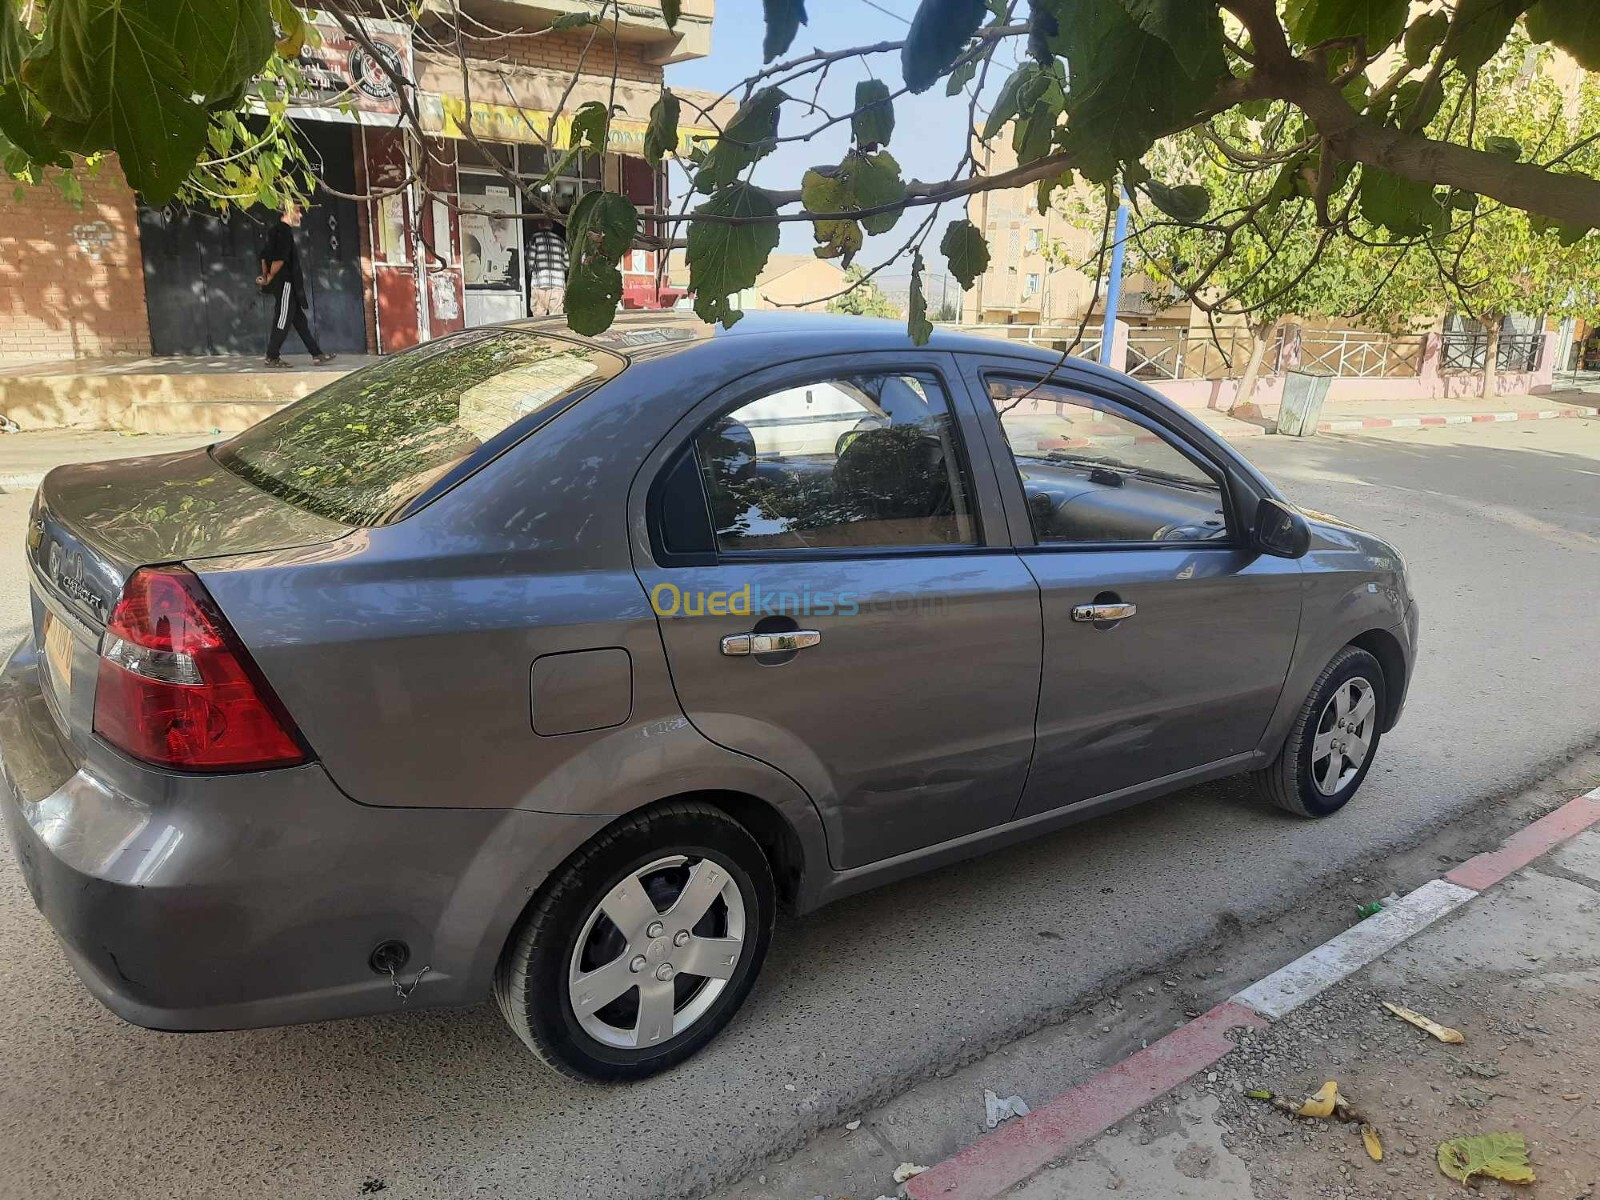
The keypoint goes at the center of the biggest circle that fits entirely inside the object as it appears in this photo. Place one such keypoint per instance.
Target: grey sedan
(554, 667)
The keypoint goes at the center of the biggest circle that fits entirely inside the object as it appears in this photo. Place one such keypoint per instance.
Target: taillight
(178, 689)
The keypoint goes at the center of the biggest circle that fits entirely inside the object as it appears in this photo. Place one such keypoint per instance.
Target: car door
(1166, 639)
(834, 506)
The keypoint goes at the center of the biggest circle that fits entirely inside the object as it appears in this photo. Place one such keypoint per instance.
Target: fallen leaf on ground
(1572, 1096)
(1502, 1156)
(1374, 1145)
(852, 1126)
(1259, 1094)
(1452, 1037)
(906, 1170)
(1323, 1103)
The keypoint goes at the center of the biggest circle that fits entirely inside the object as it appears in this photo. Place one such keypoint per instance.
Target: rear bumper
(220, 902)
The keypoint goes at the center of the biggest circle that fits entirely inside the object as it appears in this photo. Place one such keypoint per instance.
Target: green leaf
(1464, 201)
(1571, 235)
(861, 181)
(1048, 187)
(966, 252)
(836, 238)
(573, 20)
(746, 138)
(1574, 25)
(1009, 102)
(1479, 31)
(784, 18)
(222, 44)
(960, 77)
(1508, 147)
(1127, 88)
(15, 41)
(1502, 1156)
(1425, 34)
(917, 323)
(1190, 30)
(1406, 98)
(671, 10)
(591, 125)
(726, 258)
(1405, 207)
(599, 232)
(873, 122)
(939, 33)
(661, 135)
(1379, 22)
(291, 28)
(111, 80)
(1187, 204)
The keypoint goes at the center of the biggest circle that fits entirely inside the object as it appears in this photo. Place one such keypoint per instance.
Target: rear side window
(363, 447)
(858, 461)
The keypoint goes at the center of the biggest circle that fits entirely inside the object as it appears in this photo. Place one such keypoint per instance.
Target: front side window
(1090, 474)
(864, 460)
(361, 448)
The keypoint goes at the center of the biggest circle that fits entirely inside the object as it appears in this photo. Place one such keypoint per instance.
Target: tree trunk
(1491, 355)
(1261, 338)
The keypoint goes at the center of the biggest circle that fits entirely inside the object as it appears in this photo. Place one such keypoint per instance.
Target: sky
(930, 130)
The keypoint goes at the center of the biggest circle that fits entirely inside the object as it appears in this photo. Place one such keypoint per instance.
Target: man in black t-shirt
(280, 278)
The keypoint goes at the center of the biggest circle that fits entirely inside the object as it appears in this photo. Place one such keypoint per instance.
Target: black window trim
(656, 498)
(1236, 539)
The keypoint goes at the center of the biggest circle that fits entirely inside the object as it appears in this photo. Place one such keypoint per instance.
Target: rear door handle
(740, 644)
(1088, 613)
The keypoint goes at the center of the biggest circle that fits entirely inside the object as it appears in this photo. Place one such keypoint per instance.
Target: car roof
(642, 336)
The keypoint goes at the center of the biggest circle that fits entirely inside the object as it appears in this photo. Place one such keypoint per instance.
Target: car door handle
(740, 644)
(1103, 612)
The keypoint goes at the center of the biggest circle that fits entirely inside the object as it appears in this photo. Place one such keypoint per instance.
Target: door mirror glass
(1281, 531)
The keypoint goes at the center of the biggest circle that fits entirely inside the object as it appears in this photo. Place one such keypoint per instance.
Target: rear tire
(602, 982)
(1333, 740)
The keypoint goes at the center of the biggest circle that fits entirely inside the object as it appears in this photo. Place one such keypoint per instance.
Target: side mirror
(1281, 531)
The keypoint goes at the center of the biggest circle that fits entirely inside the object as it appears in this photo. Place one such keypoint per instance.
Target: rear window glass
(363, 447)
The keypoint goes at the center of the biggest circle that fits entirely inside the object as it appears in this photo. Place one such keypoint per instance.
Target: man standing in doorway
(280, 278)
(547, 270)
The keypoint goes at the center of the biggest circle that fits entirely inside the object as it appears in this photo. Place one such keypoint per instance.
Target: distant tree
(864, 299)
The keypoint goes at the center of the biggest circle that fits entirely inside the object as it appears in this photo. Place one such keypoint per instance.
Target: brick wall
(562, 52)
(71, 279)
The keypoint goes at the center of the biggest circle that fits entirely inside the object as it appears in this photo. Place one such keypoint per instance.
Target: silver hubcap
(1344, 736)
(656, 952)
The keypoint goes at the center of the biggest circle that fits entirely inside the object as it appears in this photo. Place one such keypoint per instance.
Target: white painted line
(1406, 422)
(1457, 419)
(1312, 974)
(1505, 416)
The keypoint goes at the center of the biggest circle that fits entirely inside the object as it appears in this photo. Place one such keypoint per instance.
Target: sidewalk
(1353, 416)
(1504, 949)
(25, 457)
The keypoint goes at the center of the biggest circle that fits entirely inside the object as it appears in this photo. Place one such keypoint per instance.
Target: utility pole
(1114, 285)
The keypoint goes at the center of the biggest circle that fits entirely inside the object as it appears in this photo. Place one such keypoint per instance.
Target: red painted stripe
(1483, 416)
(1522, 847)
(1022, 1146)
(1433, 420)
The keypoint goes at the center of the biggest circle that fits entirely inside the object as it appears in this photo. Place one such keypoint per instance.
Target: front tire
(1333, 740)
(642, 946)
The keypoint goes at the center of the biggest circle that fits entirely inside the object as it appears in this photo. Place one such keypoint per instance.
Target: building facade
(411, 236)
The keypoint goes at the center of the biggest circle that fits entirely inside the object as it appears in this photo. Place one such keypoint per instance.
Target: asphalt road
(1501, 525)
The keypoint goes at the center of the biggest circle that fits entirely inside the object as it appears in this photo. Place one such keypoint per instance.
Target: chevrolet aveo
(554, 667)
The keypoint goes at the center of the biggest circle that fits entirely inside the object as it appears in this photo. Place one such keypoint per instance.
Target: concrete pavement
(882, 991)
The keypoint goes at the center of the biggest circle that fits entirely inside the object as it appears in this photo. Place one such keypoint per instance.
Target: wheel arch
(1391, 656)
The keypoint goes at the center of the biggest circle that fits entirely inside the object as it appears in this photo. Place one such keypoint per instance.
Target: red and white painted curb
(1021, 1147)
(1354, 424)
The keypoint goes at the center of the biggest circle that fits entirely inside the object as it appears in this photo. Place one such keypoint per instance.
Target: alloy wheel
(656, 952)
(1344, 736)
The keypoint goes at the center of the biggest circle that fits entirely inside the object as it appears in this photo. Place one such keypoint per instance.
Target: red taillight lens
(177, 689)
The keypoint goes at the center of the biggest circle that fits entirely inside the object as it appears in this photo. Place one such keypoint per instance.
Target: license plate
(58, 653)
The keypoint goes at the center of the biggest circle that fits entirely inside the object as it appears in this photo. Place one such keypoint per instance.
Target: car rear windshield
(362, 448)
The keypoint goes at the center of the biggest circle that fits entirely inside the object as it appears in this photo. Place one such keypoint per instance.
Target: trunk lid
(94, 524)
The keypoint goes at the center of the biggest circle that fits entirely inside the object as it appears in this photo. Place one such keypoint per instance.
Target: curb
(25, 481)
(1022, 1146)
(1351, 426)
